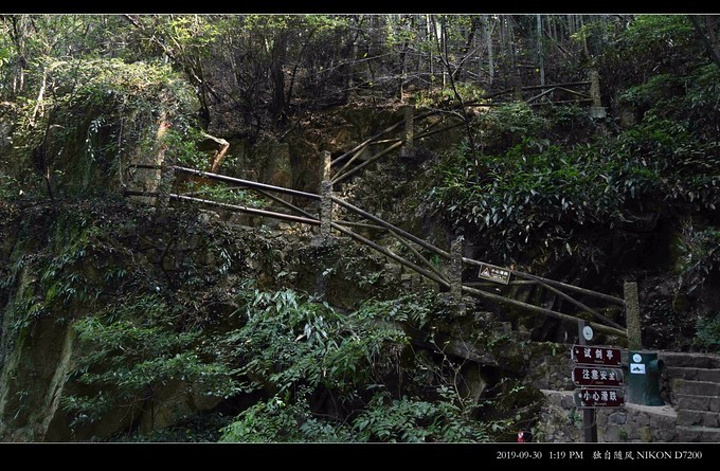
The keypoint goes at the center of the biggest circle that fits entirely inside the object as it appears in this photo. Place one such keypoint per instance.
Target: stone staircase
(694, 383)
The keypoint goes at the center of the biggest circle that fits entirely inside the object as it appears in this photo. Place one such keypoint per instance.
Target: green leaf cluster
(708, 334)
(298, 351)
(131, 351)
(94, 117)
(537, 193)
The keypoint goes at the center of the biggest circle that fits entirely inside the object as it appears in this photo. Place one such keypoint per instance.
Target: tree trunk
(278, 106)
(403, 61)
(514, 70)
(489, 36)
(539, 38)
(350, 74)
(469, 44)
(708, 36)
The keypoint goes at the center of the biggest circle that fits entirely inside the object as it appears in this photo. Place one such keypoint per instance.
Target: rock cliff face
(69, 261)
(132, 275)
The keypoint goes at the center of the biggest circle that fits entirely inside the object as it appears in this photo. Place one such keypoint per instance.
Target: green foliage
(290, 342)
(414, 309)
(193, 32)
(648, 34)
(415, 420)
(66, 277)
(130, 351)
(181, 143)
(99, 115)
(650, 45)
(537, 194)
(275, 421)
(507, 125)
(468, 91)
(699, 256)
(9, 188)
(296, 349)
(707, 336)
(226, 194)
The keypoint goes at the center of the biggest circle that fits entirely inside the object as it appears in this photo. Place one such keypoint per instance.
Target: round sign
(637, 358)
(587, 332)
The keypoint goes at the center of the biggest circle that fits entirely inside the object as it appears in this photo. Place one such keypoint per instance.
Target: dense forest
(586, 149)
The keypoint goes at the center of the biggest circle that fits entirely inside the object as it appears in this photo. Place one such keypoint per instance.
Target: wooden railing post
(455, 271)
(326, 165)
(409, 113)
(326, 220)
(632, 315)
(326, 210)
(165, 185)
(326, 195)
(596, 108)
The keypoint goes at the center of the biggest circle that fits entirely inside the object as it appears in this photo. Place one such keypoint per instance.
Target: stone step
(687, 417)
(695, 374)
(698, 434)
(690, 360)
(694, 388)
(698, 403)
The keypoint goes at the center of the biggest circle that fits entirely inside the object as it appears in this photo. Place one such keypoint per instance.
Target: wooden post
(455, 275)
(326, 210)
(326, 221)
(595, 88)
(632, 315)
(326, 166)
(167, 179)
(596, 108)
(409, 112)
(589, 424)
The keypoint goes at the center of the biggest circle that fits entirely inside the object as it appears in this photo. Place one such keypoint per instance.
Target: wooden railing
(339, 169)
(420, 263)
(579, 92)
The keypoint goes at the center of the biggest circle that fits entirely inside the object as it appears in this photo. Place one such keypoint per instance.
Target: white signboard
(493, 273)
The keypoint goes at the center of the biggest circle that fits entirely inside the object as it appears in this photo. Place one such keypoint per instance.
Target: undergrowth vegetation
(197, 324)
(91, 119)
(338, 378)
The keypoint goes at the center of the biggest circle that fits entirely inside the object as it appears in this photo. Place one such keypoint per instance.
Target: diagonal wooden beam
(577, 303)
(424, 260)
(392, 255)
(248, 183)
(542, 310)
(374, 158)
(245, 209)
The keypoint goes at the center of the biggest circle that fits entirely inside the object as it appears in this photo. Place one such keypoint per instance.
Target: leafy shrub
(224, 194)
(275, 420)
(99, 115)
(699, 255)
(130, 351)
(708, 334)
(291, 342)
(537, 197)
(296, 350)
(416, 420)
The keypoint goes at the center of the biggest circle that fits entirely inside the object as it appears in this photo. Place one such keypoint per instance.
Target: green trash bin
(645, 372)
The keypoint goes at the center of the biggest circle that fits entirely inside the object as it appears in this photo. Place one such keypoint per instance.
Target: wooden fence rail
(414, 245)
(423, 266)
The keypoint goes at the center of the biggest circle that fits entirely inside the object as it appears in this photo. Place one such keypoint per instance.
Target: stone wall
(562, 422)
